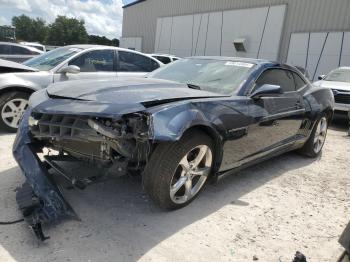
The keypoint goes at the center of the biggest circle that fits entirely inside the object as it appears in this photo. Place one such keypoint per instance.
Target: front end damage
(114, 147)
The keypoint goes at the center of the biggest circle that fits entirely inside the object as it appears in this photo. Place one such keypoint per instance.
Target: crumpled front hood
(125, 91)
(343, 86)
(10, 67)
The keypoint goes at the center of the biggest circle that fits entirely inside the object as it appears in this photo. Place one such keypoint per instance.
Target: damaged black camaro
(191, 121)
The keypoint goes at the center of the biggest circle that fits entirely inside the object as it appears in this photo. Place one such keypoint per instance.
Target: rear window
(132, 62)
(18, 50)
(5, 49)
(163, 59)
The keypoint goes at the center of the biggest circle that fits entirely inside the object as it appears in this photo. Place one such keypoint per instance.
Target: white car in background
(75, 62)
(17, 52)
(165, 58)
(339, 81)
(35, 45)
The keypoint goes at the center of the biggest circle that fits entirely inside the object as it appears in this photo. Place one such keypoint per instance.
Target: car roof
(20, 45)
(259, 62)
(88, 46)
(31, 43)
(11, 43)
(238, 59)
(157, 54)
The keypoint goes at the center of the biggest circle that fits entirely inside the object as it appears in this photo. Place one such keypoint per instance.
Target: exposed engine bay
(95, 140)
(113, 147)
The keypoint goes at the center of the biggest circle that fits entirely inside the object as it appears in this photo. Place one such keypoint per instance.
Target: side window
(17, 50)
(163, 59)
(299, 82)
(5, 49)
(280, 77)
(95, 61)
(132, 62)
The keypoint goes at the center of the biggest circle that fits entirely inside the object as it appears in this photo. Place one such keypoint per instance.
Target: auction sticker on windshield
(242, 64)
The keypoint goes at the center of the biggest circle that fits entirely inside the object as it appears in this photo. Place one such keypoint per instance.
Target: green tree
(102, 40)
(29, 29)
(67, 31)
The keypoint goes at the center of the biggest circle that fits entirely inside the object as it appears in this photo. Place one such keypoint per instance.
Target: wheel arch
(329, 112)
(17, 88)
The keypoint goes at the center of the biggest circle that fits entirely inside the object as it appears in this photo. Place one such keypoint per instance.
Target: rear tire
(12, 107)
(177, 172)
(313, 146)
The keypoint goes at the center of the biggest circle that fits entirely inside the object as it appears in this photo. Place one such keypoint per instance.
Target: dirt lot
(269, 211)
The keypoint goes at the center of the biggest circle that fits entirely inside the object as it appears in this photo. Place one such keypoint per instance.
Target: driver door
(276, 119)
(96, 64)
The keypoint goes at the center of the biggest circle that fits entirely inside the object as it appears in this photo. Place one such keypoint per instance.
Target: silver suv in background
(339, 81)
(75, 62)
(17, 53)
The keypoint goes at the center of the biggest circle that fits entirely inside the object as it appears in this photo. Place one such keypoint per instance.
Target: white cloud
(22, 5)
(3, 21)
(101, 17)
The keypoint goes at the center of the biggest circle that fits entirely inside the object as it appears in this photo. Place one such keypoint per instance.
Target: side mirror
(71, 69)
(266, 90)
(321, 77)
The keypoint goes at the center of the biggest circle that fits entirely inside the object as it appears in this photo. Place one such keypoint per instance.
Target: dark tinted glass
(132, 62)
(17, 50)
(282, 78)
(5, 49)
(95, 61)
(299, 82)
(163, 59)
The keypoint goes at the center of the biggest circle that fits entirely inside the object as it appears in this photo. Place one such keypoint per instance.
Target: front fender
(170, 124)
(29, 81)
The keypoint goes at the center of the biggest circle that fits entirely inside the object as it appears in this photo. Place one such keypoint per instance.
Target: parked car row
(19, 81)
(18, 52)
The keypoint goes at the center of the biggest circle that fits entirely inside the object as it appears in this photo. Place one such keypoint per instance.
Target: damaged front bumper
(113, 147)
(39, 198)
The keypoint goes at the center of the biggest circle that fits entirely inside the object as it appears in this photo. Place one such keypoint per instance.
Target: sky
(102, 17)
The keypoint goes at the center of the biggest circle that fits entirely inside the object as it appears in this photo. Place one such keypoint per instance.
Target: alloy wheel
(191, 174)
(320, 134)
(13, 111)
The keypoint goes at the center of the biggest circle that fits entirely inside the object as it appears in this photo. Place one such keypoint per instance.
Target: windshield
(49, 60)
(339, 75)
(218, 76)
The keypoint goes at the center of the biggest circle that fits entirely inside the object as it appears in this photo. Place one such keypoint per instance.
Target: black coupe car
(191, 121)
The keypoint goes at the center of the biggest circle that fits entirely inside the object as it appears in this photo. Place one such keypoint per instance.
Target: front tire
(313, 146)
(12, 107)
(177, 172)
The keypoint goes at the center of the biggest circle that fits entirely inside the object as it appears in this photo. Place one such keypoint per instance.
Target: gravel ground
(266, 212)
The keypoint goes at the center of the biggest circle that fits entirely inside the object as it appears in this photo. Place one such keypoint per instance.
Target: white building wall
(319, 52)
(213, 33)
(134, 43)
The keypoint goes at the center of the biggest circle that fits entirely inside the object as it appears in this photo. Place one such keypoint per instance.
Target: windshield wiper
(192, 86)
